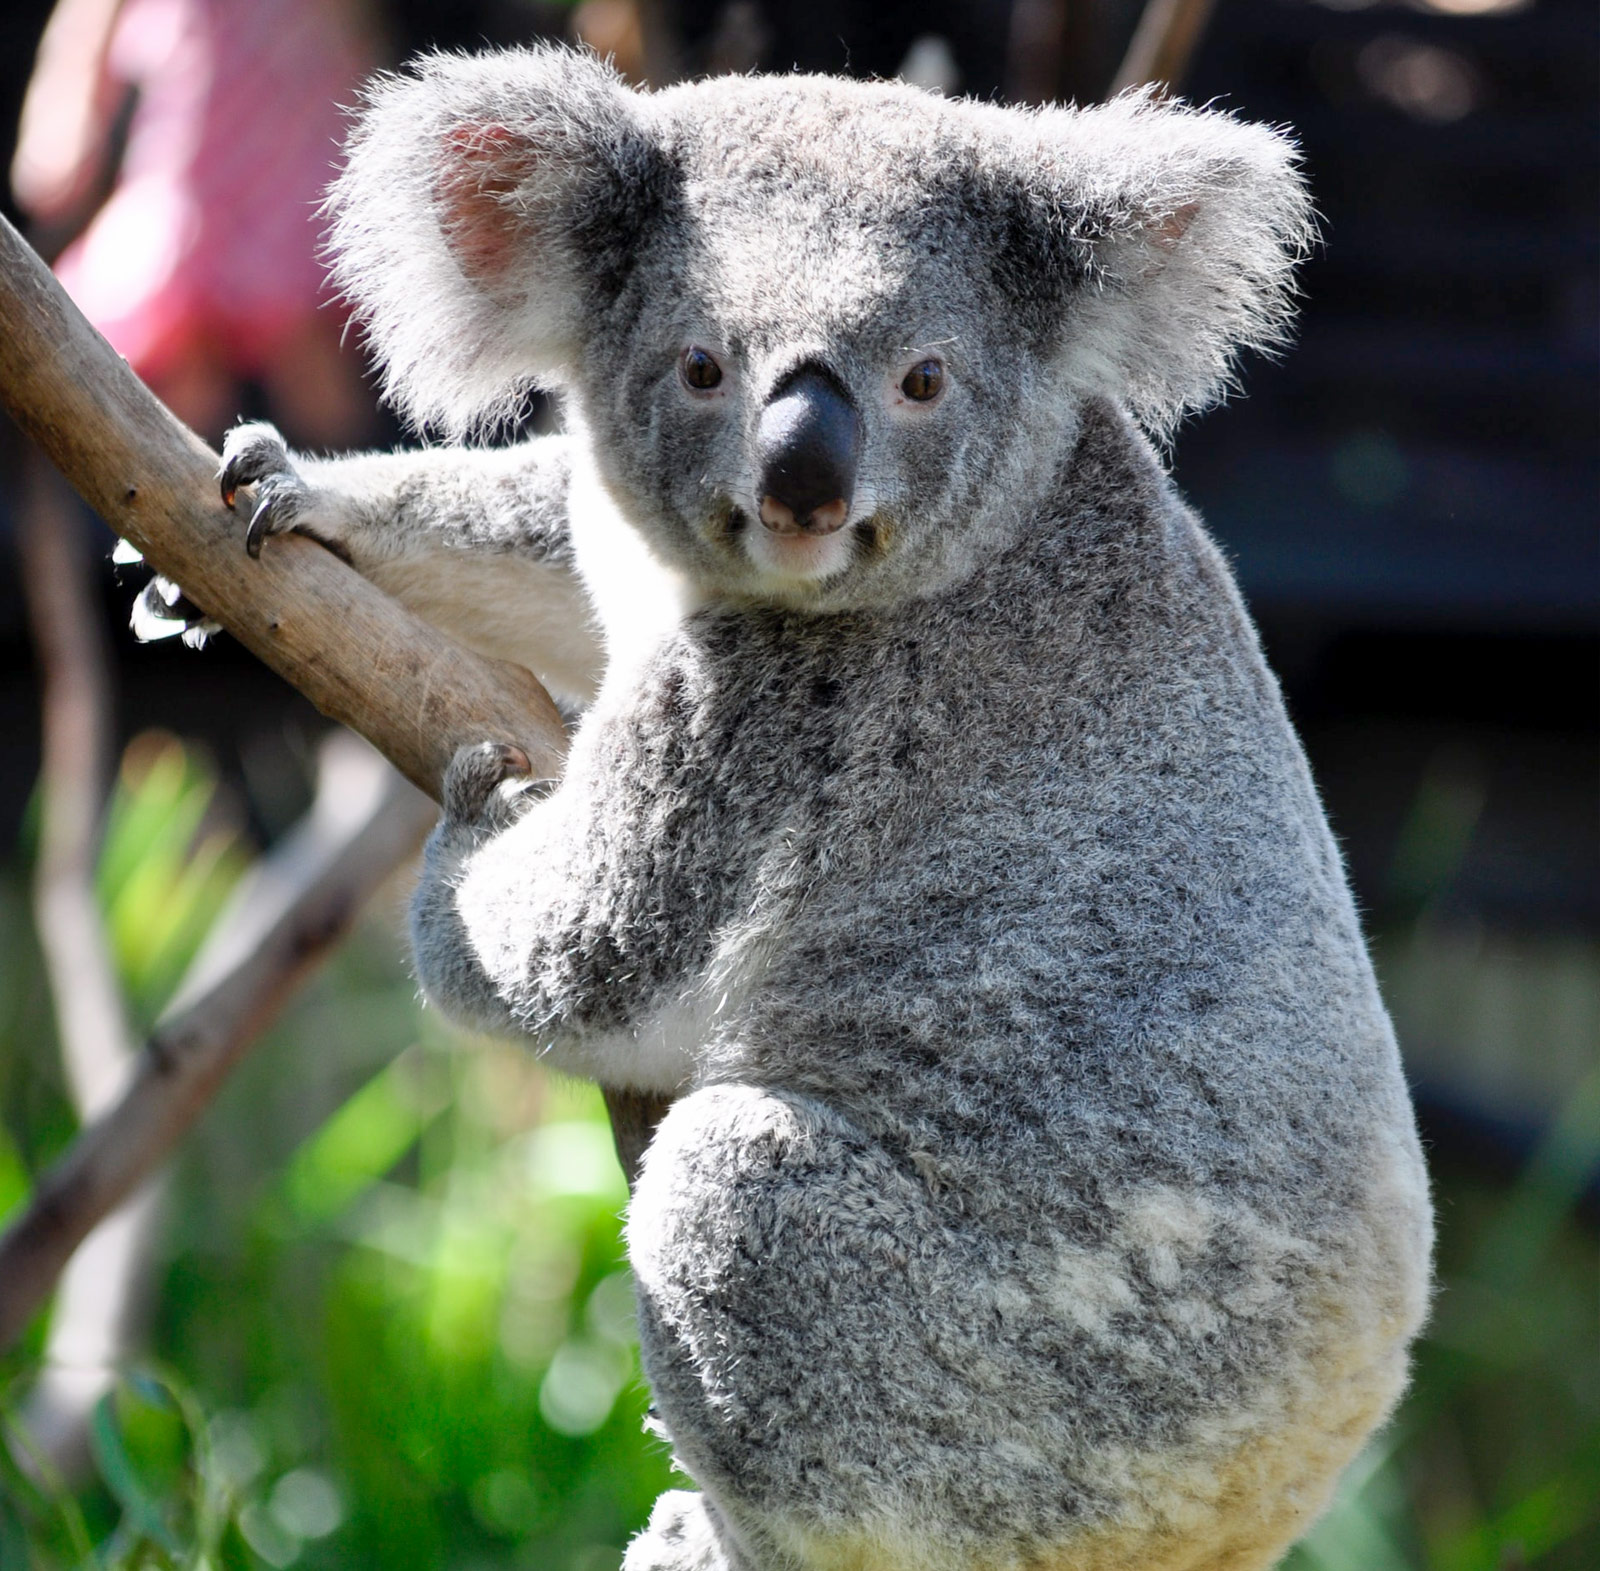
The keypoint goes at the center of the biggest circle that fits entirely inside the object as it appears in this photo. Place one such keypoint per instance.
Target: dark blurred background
(1410, 500)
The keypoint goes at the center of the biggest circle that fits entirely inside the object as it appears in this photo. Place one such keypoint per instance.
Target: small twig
(101, 1294)
(286, 915)
(1033, 50)
(99, 1311)
(662, 49)
(75, 731)
(1163, 44)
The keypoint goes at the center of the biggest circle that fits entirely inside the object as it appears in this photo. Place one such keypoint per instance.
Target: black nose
(807, 447)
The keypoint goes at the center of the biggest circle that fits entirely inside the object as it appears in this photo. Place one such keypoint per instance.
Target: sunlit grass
(167, 864)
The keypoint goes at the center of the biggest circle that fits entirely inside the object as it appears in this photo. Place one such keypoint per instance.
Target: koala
(1040, 1189)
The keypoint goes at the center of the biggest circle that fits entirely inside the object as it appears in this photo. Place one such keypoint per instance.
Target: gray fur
(1042, 1189)
(477, 541)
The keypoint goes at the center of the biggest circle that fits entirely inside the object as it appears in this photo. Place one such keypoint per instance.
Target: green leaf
(356, 1146)
(15, 1184)
(122, 1478)
(1556, 1175)
(160, 888)
(13, 1539)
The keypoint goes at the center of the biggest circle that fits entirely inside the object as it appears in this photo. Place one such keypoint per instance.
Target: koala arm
(473, 540)
(533, 919)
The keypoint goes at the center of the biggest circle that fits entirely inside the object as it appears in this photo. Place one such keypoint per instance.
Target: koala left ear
(1177, 231)
(487, 212)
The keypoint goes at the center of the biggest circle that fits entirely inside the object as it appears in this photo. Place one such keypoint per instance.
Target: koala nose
(808, 444)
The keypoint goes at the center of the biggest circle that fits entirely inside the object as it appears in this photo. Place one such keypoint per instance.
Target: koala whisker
(725, 522)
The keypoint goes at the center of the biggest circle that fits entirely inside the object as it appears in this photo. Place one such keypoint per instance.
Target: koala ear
(1177, 231)
(487, 211)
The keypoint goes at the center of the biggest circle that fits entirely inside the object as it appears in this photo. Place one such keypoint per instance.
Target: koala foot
(161, 609)
(490, 784)
(255, 455)
(681, 1537)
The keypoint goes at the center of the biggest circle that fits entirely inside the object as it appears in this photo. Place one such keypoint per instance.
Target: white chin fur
(799, 559)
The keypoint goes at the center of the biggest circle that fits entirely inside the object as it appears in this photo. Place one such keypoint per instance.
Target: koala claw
(472, 783)
(249, 453)
(267, 519)
(255, 454)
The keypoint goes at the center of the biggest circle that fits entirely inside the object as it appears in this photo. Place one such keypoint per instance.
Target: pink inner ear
(1171, 229)
(480, 166)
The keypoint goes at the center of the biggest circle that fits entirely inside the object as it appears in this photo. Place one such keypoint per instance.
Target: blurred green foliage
(167, 863)
(394, 1322)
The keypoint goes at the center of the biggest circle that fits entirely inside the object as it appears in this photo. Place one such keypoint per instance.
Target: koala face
(809, 384)
(824, 337)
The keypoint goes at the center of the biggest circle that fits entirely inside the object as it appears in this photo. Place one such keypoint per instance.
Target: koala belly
(856, 1386)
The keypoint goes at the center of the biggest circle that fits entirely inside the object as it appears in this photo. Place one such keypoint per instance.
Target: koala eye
(699, 369)
(924, 382)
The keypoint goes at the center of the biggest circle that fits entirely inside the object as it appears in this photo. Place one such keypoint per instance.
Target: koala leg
(862, 1373)
(784, 1341)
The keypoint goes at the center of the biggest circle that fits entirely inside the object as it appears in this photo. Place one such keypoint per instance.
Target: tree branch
(75, 747)
(359, 656)
(1163, 44)
(286, 915)
(102, 1292)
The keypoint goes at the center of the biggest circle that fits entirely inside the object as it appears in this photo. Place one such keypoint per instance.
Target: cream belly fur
(508, 608)
(1242, 1516)
(1212, 1506)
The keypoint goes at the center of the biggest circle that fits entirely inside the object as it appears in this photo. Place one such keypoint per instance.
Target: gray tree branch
(360, 657)
(103, 1291)
(283, 919)
(1163, 44)
(75, 746)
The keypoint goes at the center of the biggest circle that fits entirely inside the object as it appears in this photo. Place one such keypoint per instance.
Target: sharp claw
(260, 527)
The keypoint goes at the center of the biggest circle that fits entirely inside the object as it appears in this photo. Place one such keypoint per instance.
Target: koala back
(1042, 1189)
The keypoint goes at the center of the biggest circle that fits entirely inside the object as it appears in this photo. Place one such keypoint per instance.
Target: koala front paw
(489, 784)
(255, 454)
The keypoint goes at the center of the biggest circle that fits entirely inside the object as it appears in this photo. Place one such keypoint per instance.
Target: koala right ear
(486, 212)
(1176, 231)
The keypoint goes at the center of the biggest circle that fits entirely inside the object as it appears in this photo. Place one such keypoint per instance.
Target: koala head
(824, 337)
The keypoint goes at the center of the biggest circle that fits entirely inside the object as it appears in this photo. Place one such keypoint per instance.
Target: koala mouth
(800, 558)
(801, 562)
